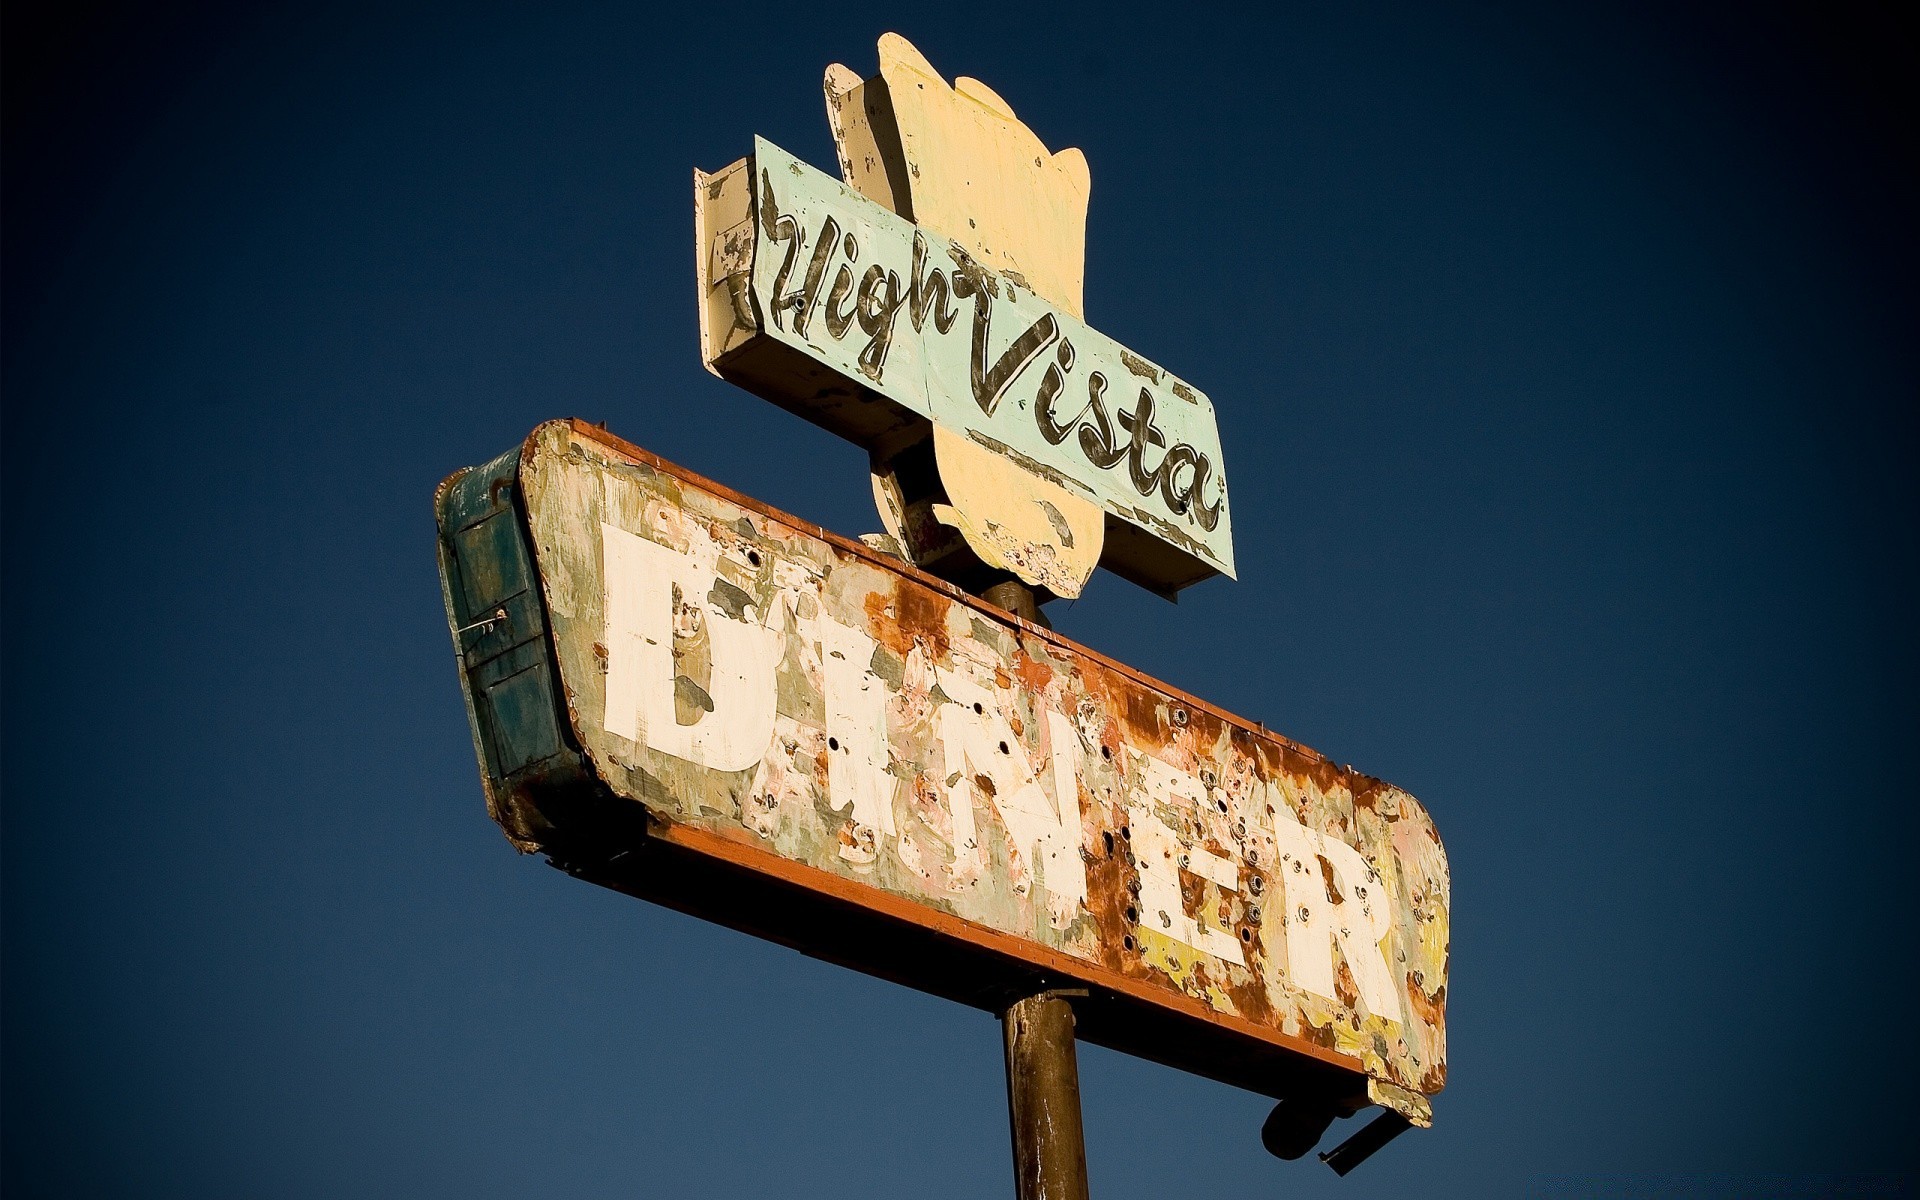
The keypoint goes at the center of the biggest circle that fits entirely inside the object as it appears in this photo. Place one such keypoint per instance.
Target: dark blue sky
(1566, 366)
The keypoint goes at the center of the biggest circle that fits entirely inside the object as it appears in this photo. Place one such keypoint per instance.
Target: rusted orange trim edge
(885, 562)
(750, 857)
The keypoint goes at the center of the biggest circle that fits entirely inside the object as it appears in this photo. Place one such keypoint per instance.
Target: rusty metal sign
(681, 693)
(861, 320)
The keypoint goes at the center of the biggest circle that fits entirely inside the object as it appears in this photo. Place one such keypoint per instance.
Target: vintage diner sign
(831, 305)
(657, 666)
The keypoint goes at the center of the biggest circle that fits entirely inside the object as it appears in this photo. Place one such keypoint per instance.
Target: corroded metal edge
(556, 803)
(540, 789)
(872, 557)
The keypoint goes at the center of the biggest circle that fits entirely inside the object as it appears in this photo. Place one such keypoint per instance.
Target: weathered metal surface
(1015, 522)
(759, 693)
(487, 579)
(834, 307)
(957, 161)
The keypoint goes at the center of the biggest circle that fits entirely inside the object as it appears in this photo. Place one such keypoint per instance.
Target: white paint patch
(1162, 853)
(1041, 810)
(857, 755)
(1316, 923)
(1039, 807)
(640, 581)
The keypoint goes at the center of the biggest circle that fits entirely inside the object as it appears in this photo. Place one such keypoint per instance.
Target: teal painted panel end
(522, 732)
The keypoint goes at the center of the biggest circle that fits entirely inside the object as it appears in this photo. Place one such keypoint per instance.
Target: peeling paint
(1047, 536)
(866, 722)
(1140, 366)
(834, 279)
(979, 189)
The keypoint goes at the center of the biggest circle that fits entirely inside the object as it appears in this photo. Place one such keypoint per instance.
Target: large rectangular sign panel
(647, 651)
(890, 322)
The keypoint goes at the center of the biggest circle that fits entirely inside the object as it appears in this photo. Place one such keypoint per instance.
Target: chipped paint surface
(974, 173)
(957, 161)
(744, 676)
(1043, 534)
(883, 321)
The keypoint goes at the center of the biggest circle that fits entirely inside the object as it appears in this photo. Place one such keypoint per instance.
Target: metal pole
(1043, 1100)
(1016, 598)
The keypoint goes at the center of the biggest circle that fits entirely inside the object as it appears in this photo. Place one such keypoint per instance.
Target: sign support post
(1043, 1068)
(1017, 598)
(879, 752)
(1043, 1098)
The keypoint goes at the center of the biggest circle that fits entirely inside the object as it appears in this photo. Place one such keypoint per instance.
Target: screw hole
(753, 556)
(833, 743)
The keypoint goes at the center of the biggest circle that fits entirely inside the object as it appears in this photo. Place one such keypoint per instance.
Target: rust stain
(1108, 876)
(1432, 1010)
(922, 617)
(1139, 712)
(1034, 674)
(1345, 989)
(1009, 778)
(1326, 876)
(882, 626)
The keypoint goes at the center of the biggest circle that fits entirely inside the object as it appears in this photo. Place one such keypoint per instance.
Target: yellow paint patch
(1015, 520)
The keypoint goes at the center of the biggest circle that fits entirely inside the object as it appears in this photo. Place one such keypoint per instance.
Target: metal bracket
(1362, 1145)
(499, 615)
